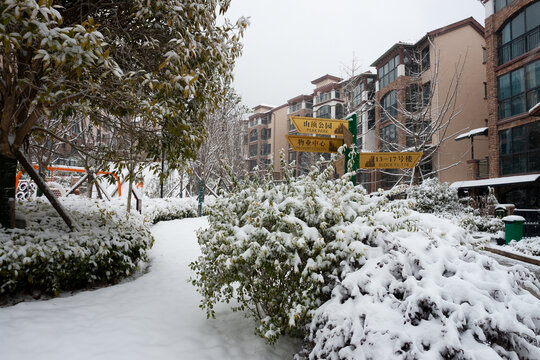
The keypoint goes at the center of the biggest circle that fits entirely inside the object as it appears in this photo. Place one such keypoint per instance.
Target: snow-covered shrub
(46, 258)
(527, 246)
(156, 210)
(278, 250)
(432, 196)
(473, 222)
(422, 295)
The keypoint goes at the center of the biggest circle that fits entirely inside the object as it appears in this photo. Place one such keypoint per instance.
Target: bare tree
(222, 153)
(421, 119)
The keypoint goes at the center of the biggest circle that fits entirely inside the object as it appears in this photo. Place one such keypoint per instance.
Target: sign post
(201, 196)
(352, 123)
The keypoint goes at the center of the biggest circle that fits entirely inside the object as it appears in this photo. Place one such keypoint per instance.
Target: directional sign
(308, 125)
(314, 144)
(389, 160)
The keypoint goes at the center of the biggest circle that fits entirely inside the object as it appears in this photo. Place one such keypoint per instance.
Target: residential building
(428, 93)
(359, 92)
(266, 131)
(512, 56)
(301, 105)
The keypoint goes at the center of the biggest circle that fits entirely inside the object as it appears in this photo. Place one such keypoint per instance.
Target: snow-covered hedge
(369, 276)
(527, 246)
(422, 295)
(432, 196)
(47, 258)
(156, 210)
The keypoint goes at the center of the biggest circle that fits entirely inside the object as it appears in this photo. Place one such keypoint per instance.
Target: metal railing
(520, 45)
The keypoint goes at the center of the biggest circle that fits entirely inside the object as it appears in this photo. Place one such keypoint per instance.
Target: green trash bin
(513, 228)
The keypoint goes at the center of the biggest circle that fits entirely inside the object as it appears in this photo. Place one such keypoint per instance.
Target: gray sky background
(289, 43)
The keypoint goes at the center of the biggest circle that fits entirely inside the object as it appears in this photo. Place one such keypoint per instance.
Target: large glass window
(253, 150)
(325, 112)
(266, 133)
(519, 90)
(418, 132)
(389, 138)
(253, 135)
(425, 58)
(521, 34)
(413, 98)
(339, 111)
(388, 72)
(501, 4)
(389, 105)
(519, 149)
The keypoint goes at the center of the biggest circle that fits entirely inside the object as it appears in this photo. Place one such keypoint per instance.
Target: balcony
(519, 46)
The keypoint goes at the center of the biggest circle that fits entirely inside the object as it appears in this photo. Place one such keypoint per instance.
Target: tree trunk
(130, 186)
(8, 172)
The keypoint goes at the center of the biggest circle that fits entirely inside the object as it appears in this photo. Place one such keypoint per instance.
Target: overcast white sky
(289, 43)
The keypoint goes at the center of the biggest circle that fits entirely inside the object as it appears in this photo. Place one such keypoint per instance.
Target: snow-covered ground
(155, 316)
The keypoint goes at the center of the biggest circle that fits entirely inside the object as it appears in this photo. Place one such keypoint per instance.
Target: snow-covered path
(154, 317)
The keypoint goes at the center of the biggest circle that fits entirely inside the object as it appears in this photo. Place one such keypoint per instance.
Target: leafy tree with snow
(165, 62)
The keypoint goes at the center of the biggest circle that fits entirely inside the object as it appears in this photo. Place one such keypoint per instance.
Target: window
(252, 164)
(325, 112)
(267, 119)
(501, 4)
(291, 125)
(266, 134)
(253, 135)
(520, 35)
(484, 55)
(389, 105)
(412, 98)
(485, 90)
(292, 156)
(339, 111)
(323, 97)
(253, 150)
(519, 149)
(266, 149)
(356, 97)
(389, 138)
(426, 94)
(519, 90)
(417, 132)
(294, 107)
(388, 72)
(412, 65)
(425, 58)
(371, 118)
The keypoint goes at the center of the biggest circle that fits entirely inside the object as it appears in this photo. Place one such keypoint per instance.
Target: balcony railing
(520, 45)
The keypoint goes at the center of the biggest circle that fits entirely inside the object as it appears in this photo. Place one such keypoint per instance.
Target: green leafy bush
(432, 196)
(46, 258)
(278, 250)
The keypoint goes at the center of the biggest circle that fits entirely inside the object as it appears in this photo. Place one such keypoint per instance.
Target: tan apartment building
(512, 55)
(428, 94)
(266, 131)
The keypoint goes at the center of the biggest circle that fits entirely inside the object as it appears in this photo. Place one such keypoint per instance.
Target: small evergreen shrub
(278, 250)
(432, 196)
(46, 258)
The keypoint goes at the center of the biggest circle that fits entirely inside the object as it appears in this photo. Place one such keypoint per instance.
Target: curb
(513, 256)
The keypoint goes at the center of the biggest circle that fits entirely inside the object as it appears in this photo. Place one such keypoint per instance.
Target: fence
(531, 227)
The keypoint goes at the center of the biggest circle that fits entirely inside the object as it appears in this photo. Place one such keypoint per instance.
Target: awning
(496, 181)
(474, 132)
(535, 110)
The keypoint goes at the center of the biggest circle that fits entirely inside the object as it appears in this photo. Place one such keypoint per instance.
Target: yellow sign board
(308, 125)
(314, 144)
(389, 160)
